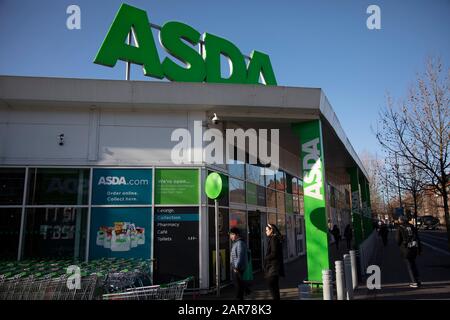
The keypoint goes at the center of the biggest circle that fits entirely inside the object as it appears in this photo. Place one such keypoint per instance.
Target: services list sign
(122, 187)
(176, 243)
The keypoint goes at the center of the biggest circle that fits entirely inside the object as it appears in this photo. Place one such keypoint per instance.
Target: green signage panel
(176, 186)
(311, 146)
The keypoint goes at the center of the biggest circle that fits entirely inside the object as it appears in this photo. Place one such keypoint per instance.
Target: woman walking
(273, 262)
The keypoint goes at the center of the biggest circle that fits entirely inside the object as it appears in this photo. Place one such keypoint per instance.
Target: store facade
(86, 172)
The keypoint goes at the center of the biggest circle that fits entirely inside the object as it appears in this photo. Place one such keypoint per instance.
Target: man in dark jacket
(410, 246)
(273, 261)
(238, 262)
(383, 233)
(336, 235)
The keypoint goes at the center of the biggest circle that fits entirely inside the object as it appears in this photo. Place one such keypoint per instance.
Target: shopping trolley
(169, 291)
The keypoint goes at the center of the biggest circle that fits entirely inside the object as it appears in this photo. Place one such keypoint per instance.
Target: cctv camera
(61, 139)
(215, 119)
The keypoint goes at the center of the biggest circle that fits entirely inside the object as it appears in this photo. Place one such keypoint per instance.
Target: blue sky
(314, 43)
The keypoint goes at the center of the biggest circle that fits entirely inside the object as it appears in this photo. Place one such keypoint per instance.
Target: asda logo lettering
(194, 57)
(312, 169)
(116, 181)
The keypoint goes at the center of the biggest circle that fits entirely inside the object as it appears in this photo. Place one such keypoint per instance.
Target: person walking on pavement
(273, 261)
(383, 232)
(348, 234)
(410, 246)
(337, 235)
(238, 262)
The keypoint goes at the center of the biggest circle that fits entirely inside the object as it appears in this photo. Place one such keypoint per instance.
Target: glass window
(238, 219)
(280, 203)
(272, 218)
(280, 180)
(55, 233)
(237, 170)
(58, 186)
(252, 197)
(300, 197)
(300, 186)
(12, 182)
(271, 198)
(288, 183)
(255, 174)
(294, 185)
(270, 179)
(347, 198)
(289, 203)
(332, 193)
(301, 205)
(252, 173)
(295, 203)
(9, 232)
(237, 191)
(281, 224)
(261, 196)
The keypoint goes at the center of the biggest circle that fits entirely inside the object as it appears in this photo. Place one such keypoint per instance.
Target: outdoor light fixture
(61, 139)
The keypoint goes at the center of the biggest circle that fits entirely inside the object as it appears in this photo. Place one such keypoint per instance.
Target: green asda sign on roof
(179, 40)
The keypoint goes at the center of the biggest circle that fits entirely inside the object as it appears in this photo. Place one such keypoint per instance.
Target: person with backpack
(238, 261)
(410, 246)
(273, 260)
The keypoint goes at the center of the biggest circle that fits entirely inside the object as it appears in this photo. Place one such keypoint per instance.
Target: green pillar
(312, 163)
(357, 219)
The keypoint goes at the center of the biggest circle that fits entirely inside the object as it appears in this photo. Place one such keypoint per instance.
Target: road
(435, 239)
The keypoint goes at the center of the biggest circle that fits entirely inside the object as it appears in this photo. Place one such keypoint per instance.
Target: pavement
(296, 272)
(433, 265)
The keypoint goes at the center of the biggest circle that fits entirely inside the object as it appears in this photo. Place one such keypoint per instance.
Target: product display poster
(176, 243)
(120, 233)
(176, 186)
(122, 187)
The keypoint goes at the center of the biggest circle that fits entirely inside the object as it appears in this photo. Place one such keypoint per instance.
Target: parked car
(429, 222)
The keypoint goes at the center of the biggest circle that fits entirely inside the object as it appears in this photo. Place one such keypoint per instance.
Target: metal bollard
(340, 285)
(348, 276)
(354, 268)
(327, 280)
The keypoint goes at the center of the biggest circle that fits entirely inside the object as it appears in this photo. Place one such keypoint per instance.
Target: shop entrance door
(254, 239)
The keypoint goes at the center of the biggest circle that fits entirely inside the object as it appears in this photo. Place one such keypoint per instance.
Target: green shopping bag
(248, 273)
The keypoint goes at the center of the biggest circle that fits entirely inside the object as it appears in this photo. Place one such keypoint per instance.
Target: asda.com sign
(122, 187)
(118, 181)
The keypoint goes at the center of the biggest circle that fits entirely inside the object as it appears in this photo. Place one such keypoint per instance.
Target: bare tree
(405, 176)
(418, 129)
(374, 167)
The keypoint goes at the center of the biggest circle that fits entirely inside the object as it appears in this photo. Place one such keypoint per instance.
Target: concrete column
(348, 276)
(340, 280)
